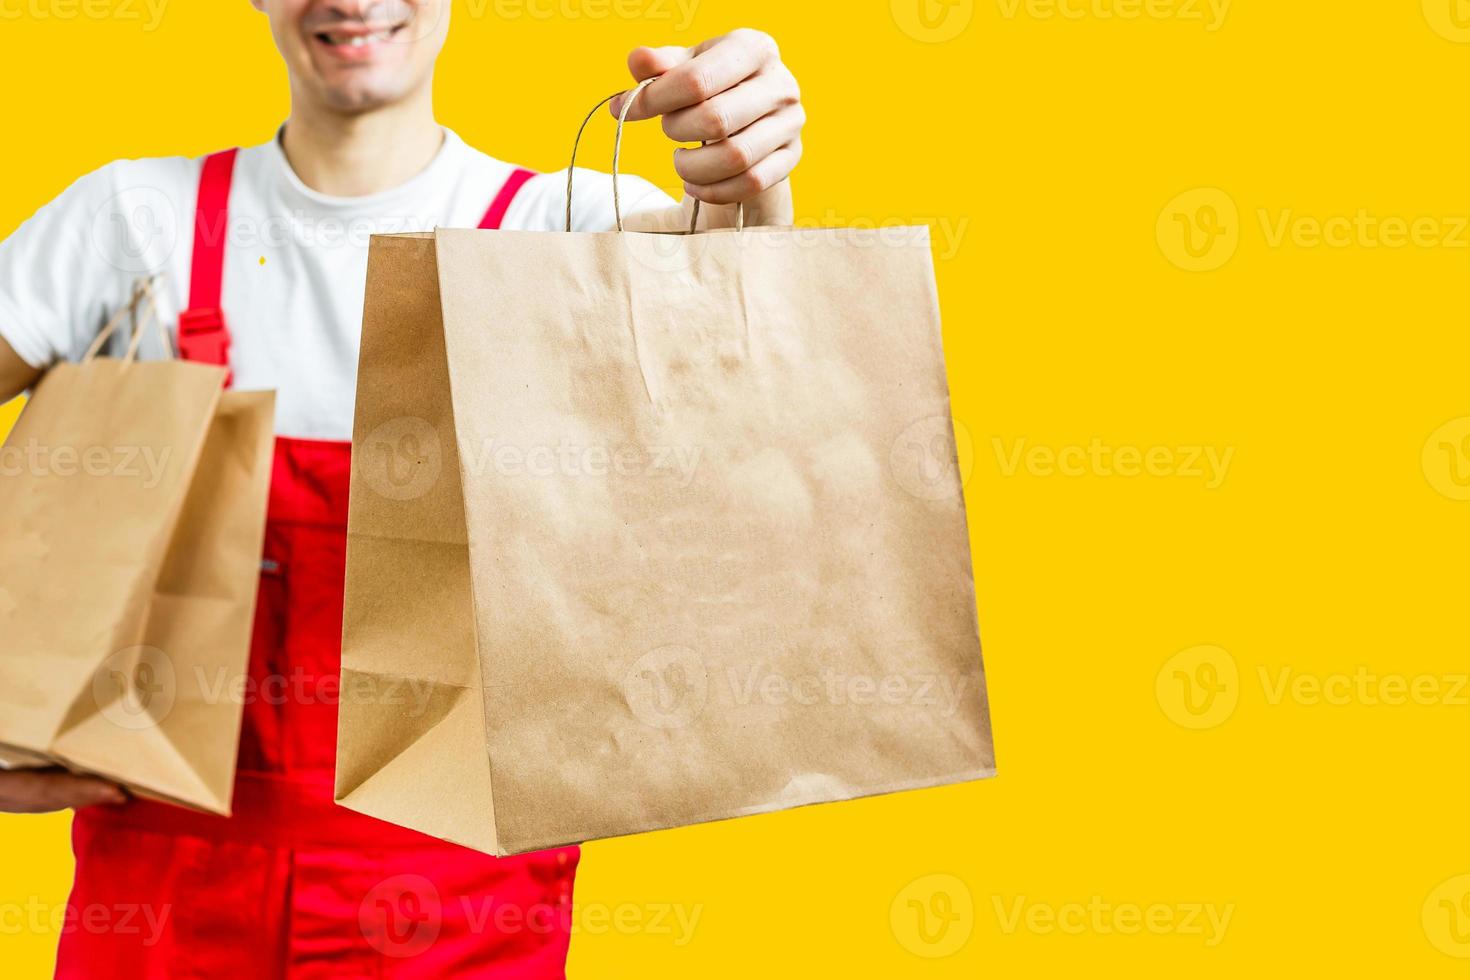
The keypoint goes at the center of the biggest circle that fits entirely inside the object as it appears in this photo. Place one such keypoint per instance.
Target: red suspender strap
(203, 335)
(508, 192)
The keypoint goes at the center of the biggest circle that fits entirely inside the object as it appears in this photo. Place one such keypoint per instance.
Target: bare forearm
(49, 790)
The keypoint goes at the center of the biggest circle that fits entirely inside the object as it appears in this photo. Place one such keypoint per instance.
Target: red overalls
(293, 885)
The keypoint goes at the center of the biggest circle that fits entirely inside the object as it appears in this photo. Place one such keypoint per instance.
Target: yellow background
(1064, 157)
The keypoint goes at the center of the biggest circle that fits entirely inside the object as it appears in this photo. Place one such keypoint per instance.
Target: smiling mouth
(358, 39)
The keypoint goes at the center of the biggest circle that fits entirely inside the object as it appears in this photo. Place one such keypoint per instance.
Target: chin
(358, 97)
(363, 88)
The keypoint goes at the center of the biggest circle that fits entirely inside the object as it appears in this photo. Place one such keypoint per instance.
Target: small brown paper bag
(648, 530)
(132, 501)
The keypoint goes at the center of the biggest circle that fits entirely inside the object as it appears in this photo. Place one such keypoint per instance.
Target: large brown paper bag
(648, 530)
(132, 512)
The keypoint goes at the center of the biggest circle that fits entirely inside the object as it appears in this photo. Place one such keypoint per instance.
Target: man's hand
(736, 95)
(15, 375)
(48, 790)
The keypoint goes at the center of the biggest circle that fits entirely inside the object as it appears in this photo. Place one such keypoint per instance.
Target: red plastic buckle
(203, 337)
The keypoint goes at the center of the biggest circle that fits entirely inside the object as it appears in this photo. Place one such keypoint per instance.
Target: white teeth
(359, 40)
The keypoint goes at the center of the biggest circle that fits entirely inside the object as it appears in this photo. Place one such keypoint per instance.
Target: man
(263, 254)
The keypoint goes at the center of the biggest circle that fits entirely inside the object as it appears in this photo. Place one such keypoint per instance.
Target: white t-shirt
(295, 262)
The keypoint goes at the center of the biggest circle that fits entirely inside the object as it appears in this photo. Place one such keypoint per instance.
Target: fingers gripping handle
(617, 160)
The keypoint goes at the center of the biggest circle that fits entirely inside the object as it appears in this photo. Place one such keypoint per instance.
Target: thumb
(71, 790)
(650, 62)
(95, 791)
(645, 63)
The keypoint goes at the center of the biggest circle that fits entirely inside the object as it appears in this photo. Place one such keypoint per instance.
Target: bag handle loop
(617, 160)
(142, 289)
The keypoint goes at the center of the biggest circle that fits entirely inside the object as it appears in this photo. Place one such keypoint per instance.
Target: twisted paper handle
(142, 289)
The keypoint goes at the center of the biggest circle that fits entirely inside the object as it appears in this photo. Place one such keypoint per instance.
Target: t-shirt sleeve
(55, 281)
(592, 208)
